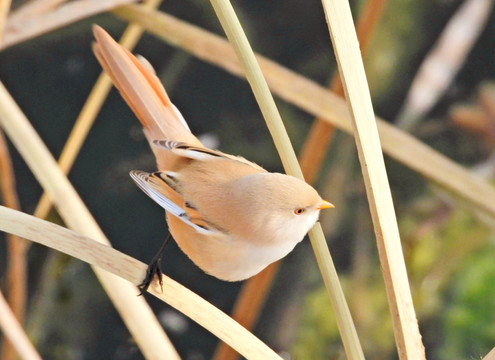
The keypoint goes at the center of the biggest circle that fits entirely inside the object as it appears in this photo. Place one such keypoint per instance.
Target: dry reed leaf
(25, 29)
(14, 332)
(33, 9)
(351, 68)
(122, 267)
(317, 101)
(134, 310)
(444, 60)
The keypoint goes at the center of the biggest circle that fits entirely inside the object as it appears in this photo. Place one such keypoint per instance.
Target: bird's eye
(298, 211)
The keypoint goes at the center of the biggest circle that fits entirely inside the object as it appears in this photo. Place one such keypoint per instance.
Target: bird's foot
(154, 268)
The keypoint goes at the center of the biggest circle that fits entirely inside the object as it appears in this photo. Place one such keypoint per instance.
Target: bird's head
(282, 206)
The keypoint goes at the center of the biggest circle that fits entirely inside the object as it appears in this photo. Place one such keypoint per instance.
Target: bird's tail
(142, 90)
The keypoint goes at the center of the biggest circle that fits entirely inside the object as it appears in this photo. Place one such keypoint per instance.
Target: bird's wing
(200, 153)
(155, 186)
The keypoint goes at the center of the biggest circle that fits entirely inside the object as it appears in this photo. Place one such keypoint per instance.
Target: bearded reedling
(231, 217)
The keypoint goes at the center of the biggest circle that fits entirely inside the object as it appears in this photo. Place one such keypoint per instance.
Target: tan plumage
(229, 215)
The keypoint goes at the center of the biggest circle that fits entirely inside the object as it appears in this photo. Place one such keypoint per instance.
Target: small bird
(230, 216)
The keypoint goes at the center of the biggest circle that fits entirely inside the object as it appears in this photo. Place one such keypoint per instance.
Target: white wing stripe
(140, 178)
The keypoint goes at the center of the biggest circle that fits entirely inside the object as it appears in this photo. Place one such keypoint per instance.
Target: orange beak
(325, 205)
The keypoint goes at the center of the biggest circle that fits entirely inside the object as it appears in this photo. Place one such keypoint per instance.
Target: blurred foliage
(469, 326)
(317, 329)
(406, 31)
(449, 256)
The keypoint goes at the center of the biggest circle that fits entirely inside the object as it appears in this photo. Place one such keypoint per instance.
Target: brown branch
(16, 273)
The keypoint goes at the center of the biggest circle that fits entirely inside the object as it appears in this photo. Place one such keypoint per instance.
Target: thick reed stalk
(346, 47)
(321, 133)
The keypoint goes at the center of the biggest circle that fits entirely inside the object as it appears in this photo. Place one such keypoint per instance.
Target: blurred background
(449, 248)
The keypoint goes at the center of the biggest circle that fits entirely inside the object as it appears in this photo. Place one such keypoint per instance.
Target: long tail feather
(142, 91)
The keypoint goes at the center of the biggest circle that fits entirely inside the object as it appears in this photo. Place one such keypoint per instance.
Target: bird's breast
(226, 257)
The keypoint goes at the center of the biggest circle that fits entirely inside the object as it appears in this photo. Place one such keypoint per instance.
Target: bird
(230, 216)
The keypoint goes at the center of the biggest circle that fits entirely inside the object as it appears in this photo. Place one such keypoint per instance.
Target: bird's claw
(154, 268)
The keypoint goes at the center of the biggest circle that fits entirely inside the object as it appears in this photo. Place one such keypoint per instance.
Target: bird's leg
(155, 268)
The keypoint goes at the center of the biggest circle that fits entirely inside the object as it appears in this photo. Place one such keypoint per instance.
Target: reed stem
(237, 38)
